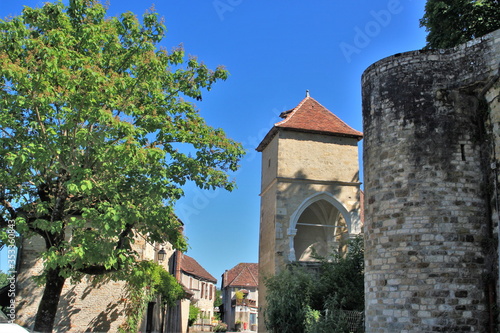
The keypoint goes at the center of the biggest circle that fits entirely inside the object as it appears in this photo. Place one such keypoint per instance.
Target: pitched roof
(242, 275)
(191, 267)
(311, 116)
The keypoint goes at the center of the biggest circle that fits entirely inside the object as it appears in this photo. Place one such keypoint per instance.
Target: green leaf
(96, 138)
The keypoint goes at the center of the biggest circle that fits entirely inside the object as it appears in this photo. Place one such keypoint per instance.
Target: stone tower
(431, 121)
(310, 189)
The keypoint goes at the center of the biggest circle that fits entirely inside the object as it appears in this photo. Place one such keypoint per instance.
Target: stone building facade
(242, 279)
(203, 288)
(431, 121)
(88, 306)
(310, 189)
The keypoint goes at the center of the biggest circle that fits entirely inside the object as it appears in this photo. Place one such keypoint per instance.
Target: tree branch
(8, 206)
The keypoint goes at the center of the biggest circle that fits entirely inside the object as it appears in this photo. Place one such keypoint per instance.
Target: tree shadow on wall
(102, 323)
(72, 303)
(67, 309)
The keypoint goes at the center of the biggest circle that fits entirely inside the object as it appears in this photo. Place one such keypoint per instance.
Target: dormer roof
(310, 116)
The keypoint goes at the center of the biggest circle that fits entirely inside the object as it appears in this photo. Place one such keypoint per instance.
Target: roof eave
(242, 286)
(330, 133)
(272, 133)
(267, 139)
(201, 278)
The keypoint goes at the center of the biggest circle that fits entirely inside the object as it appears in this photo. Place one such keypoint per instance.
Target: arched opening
(320, 229)
(321, 224)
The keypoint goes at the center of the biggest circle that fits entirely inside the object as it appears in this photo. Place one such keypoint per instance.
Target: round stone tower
(428, 151)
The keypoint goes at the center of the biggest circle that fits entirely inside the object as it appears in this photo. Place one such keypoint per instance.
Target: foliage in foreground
(96, 140)
(300, 301)
(4, 279)
(453, 22)
(220, 327)
(194, 313)
(145, 282)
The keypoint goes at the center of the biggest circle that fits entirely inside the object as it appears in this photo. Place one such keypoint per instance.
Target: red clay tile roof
(310, 116)
(242, 275)
(191, 267)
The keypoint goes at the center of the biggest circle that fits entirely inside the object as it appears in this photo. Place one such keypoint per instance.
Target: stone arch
(329, 211)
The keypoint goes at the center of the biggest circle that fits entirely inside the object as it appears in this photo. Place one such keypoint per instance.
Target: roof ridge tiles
(290, 115)
(312, 117)
(242, 275)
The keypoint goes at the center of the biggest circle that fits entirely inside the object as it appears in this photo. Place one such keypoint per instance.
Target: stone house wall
(234, 313)
(431, 125)
(84, 306)
(204, 297)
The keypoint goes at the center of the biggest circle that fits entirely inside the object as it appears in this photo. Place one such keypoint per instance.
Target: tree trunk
(47, 309)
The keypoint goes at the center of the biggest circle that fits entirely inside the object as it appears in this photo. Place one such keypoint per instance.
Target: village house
(203, 287)
(88, 306)
(105, 306)
(240, 292)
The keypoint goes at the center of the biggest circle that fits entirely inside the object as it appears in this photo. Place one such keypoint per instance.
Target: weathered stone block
(433, 171)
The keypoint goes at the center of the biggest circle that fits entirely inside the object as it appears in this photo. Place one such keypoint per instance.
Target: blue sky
(274, 50)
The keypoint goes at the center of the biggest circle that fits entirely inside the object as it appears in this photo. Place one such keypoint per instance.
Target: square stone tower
(310, 189)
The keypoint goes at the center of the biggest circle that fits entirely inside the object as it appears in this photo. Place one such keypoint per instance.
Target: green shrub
(220, 327)
(194, 312)
(300, 300)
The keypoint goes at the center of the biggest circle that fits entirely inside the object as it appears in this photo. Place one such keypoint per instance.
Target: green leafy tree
(453, 22)
(96, 139)
(218, 303)
(340, 288)
(218, 298)
(3, 279)
(288, 298)
(194, 313)
(146, 281)
(333, 320)
(301, 300)
(341, 281)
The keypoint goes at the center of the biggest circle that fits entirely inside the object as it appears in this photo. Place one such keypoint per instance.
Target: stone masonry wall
(84, 306)
(431, 127)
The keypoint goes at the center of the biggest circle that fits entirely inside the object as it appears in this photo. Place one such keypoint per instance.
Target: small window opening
(462, 150)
